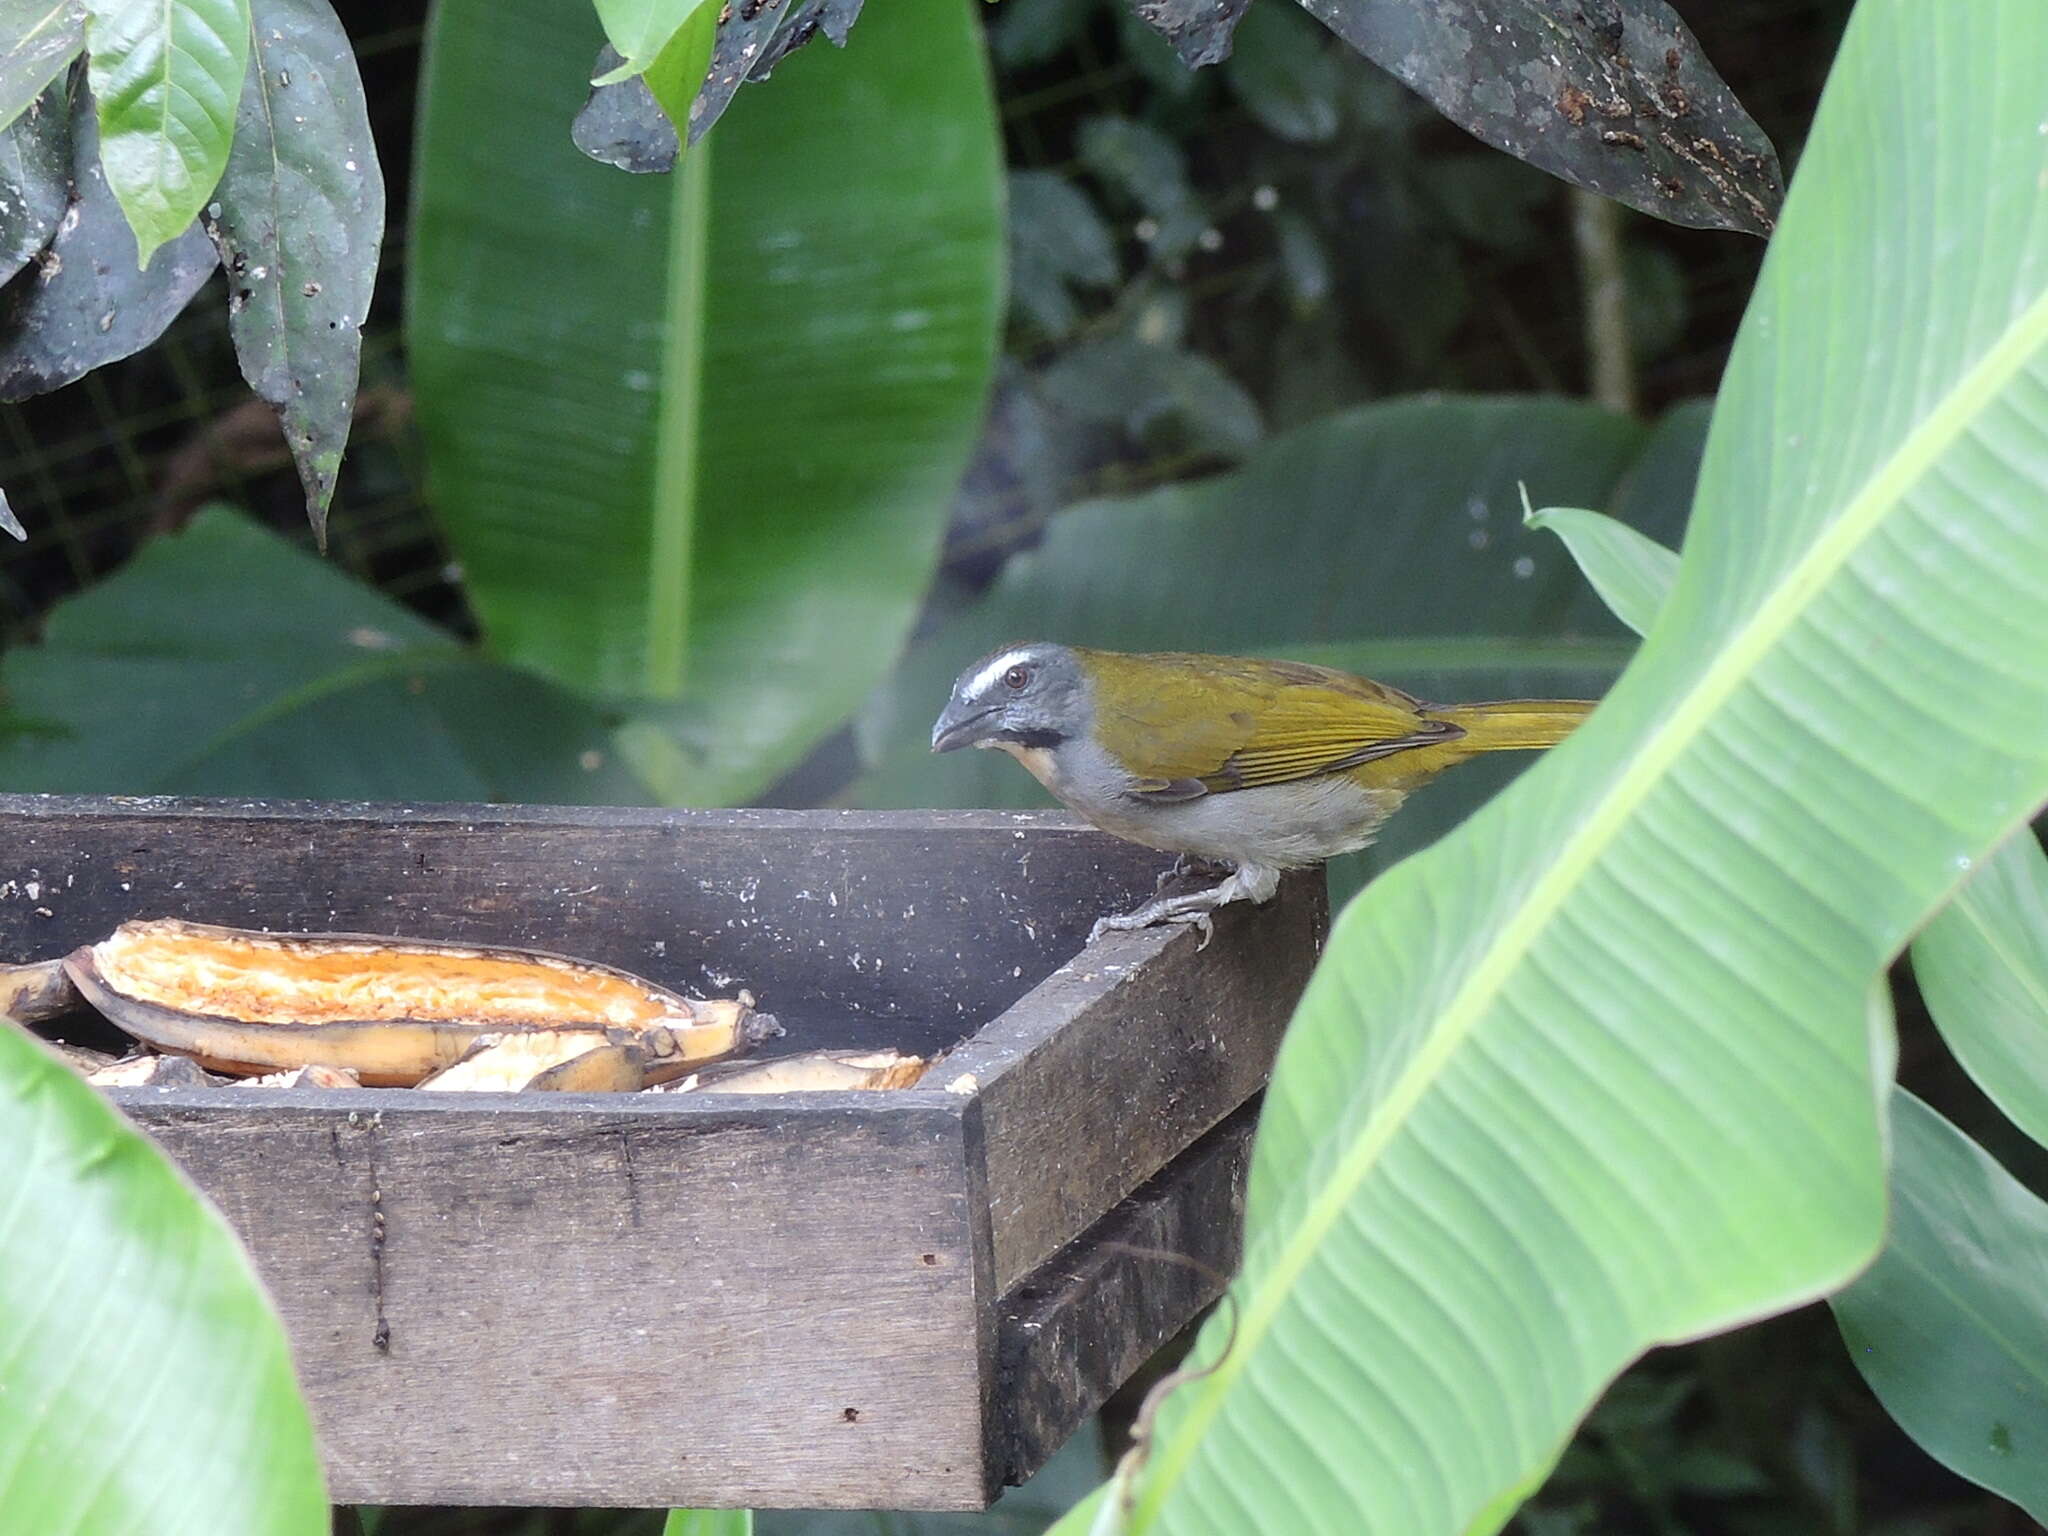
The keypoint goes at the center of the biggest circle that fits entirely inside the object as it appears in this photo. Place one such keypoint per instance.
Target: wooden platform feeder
(897, 1300)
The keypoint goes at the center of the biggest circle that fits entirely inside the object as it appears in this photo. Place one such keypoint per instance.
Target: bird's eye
(1016, 678)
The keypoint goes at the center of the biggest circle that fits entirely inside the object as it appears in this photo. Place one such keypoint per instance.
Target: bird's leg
(1188, 864)
(1255, 883)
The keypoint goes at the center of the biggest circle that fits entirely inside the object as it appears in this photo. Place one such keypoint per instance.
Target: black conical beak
(960, 727)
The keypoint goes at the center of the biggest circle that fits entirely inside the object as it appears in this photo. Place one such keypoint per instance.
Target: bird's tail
(1514, 725)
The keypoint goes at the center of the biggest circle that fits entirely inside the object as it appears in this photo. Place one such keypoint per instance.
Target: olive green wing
(1189, 726)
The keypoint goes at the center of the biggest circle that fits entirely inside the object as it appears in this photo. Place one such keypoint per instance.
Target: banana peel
(810, 1072)
(393, 1011)
(31, 993)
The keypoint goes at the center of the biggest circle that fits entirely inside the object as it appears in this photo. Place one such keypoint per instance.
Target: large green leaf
(708, 1522)
(1982, 965)
(148, 1391)
(224, 661)
(1603, 1069)
(167, 75)
(1632, 572)
(693, 437)
(1385, 539)
(1950, 1326)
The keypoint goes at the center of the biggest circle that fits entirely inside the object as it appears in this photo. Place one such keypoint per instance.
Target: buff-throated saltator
(1260, 765)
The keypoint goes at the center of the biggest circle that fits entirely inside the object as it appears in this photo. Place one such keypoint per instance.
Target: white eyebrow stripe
(985, 679)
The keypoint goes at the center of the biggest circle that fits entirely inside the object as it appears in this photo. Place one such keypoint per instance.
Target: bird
(1238, 763)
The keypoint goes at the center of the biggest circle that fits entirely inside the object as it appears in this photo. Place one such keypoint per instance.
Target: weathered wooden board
(1124, 1056)
(1077, 1328)
(610, 1302)
(934, 921)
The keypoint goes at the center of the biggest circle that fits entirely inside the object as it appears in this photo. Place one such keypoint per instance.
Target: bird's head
(1031, 697)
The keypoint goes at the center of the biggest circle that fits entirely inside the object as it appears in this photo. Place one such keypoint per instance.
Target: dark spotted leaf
(37, 39)
(167, 77)
(1198, 29)
(92, 303)
(623, 125)
(299, 221)
(1614, 95)
(35, 176)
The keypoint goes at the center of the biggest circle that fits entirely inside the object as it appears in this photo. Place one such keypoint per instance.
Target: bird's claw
(1130, 922)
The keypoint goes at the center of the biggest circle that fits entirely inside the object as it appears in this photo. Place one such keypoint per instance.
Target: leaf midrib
(1775, 616)
(675, 494)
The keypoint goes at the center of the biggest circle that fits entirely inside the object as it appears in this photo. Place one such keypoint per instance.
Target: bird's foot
(1248, 882)
(1145, 917)
(1187, 864)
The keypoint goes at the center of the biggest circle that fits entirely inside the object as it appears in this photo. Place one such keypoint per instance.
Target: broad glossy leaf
(9, 523)
(1383, 539)
(1632, 572)
(149, 1392)
(709, 1522)
(1602, 1069)
(300, 222)
(91, 304)
(222, 660)
(693, 438)
(35, 178)
(1982, 966)
(37, 39)
(1950, 1326)
(167, 75)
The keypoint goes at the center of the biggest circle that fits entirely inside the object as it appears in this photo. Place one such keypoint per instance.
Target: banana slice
(145, 1071)
(391, 1010)
(557, 1060)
